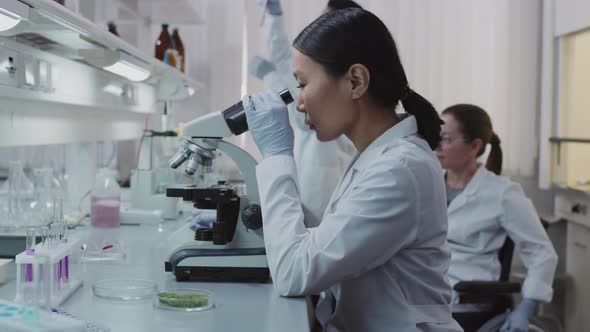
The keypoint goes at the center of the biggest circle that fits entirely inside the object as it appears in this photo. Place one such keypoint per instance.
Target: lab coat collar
(406, 127)
(471, 188)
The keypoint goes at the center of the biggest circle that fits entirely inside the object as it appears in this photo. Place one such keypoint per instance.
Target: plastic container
(105, 200)
(15, 317)
(124, 289)
(184, 299)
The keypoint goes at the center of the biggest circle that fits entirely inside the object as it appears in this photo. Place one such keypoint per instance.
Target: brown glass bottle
(113, 28)
(162, 43)
(179, 47)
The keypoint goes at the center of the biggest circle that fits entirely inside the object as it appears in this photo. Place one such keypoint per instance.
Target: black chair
(480, 301)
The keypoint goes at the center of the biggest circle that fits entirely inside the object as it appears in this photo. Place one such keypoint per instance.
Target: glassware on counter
(105, 200)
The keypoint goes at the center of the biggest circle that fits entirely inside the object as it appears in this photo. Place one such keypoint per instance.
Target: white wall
(484, 52)
(571, 15)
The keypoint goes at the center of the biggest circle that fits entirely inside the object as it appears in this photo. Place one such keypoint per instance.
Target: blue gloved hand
(260, 67)
(269, 125)
(518, 319)
(272, 6)
(202, 219)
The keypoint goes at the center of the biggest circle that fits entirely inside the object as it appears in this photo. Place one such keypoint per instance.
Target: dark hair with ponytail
(475, 123)
(342, 38)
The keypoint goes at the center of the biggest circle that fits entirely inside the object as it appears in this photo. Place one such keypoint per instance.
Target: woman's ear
(359, 77)
(476, 145)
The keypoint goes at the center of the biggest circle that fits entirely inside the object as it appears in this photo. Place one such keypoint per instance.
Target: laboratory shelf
(75, 30)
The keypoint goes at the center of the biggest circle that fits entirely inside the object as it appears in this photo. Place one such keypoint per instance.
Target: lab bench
(237, 306)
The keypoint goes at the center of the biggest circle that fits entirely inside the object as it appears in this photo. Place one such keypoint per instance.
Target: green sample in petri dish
(190, 300)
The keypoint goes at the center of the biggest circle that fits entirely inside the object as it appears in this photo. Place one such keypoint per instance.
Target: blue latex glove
(269, 125)
(260, 67)
(272, 6)
(202, 219)
(518, 320)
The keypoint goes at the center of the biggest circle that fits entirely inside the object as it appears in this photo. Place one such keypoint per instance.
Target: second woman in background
(484, 208)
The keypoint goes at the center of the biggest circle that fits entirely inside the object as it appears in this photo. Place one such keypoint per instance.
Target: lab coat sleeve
(522, 224)
(375, 218)
(279, 48)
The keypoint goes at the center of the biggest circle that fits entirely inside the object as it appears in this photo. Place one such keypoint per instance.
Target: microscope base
(219, 265)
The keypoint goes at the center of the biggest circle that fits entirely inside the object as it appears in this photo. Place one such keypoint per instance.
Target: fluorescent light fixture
(128, 70)
(113, 89)
(8, 20)
(12, 13)
(116, 62)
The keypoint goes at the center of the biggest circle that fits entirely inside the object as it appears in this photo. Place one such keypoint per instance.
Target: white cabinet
(578, 267)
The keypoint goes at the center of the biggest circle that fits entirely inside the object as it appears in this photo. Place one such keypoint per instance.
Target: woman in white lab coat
(319, 164)
(484, 208)
(379, 256)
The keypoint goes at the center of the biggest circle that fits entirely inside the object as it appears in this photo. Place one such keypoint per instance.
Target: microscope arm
(245, 162)
(247, 166)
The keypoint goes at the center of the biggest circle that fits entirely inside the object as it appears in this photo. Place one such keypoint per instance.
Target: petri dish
(184, 299)
(124, 289)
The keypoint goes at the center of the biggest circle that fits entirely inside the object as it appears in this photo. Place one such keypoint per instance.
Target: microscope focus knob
(204, 234)
(252, 216)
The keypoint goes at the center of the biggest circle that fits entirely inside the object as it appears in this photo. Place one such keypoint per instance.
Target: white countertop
(238, 306)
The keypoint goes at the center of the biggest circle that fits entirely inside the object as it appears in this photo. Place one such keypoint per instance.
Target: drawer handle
(580, 245)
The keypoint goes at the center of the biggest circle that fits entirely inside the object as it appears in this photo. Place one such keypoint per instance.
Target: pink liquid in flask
(104, 212)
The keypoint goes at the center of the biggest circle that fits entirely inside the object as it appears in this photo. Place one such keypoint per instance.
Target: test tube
(65, 273)
(30, 250)
(45, 236)
(53, 242)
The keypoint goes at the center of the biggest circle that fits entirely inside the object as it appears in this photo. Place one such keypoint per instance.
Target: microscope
(232, 249)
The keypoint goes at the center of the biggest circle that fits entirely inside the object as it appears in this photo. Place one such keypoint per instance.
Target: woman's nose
(300, 106)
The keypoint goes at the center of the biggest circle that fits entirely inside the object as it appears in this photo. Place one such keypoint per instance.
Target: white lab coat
(319, 164)
(380, 254)
(489, 208)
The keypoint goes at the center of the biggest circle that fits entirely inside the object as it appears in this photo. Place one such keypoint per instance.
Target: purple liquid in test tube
(30, 251)
(29, 267)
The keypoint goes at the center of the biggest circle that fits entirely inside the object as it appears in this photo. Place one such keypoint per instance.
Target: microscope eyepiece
(235, 116)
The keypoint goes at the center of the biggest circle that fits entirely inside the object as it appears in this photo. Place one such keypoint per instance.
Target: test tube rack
(58, 289)
(17, 318)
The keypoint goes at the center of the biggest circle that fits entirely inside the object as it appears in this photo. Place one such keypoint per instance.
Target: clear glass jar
(20, 191)
(105, 200)
(46, 207)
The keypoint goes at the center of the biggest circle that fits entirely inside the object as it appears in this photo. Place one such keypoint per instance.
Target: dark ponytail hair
(476, 123)
(342, 38)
